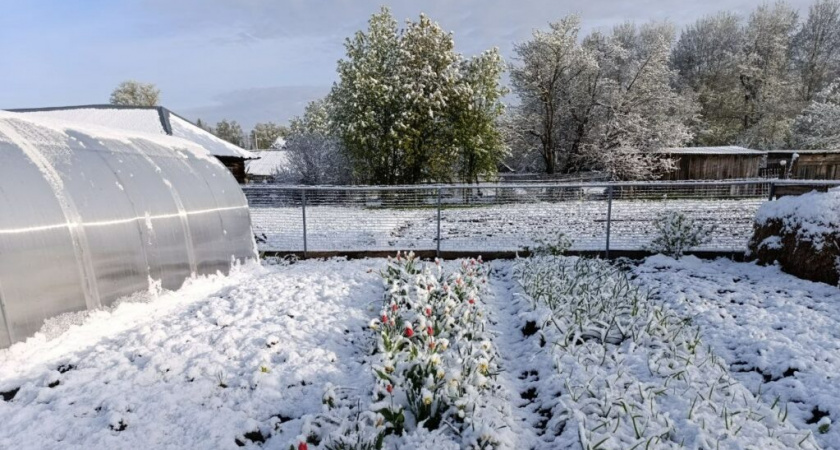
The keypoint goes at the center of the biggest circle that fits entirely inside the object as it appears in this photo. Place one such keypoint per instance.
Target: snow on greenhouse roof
(29, 124)
(271, 162)
(143, 119)
(722, 150)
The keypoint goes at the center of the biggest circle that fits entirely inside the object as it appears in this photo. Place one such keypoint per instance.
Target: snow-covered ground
(499, 227)
(779, 335)
(199, 368)
(241, 359)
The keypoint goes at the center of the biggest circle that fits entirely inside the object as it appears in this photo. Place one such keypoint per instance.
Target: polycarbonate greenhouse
(89, 215)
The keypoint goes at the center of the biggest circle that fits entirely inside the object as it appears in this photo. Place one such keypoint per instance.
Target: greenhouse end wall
(89, 215)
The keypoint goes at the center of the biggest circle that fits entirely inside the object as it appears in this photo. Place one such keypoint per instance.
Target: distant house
(805, 164)
(272, 165)
(153, 120)
(714, 163)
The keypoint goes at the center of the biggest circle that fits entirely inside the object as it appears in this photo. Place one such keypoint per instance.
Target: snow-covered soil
(498, 227)
(779, 335)
(247, 360)
(222, 359)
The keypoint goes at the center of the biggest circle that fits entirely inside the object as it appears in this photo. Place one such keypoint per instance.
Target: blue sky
(253, 60)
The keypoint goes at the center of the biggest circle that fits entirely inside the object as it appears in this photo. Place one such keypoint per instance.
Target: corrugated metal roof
(722, 150)
(143, 119)
(271, 162)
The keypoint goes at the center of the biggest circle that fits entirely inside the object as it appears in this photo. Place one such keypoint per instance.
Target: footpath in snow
(780, 335)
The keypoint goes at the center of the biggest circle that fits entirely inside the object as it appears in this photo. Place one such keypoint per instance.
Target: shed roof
(143, 119)
(722, 150)
(271, 162)
(803, 152)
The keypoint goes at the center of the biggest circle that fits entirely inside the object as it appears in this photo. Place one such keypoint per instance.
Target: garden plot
(226, 360)
(497, 227)
(779, 335)
(602, 365)
(340, 354)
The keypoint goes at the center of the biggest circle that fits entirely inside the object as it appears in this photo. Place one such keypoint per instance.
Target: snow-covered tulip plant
(434, 360)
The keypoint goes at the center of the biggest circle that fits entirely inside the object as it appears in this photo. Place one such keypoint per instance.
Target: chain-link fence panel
(501, 217)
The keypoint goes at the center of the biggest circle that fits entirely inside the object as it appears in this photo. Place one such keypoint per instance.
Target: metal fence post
(438, 222)
(609, 218)
(303, 203)
(772, 190)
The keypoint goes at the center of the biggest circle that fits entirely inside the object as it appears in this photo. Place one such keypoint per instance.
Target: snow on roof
(36, 126)
(722, 150)
(149, 120)
(271, 162)
(216, 146)
(803, 152)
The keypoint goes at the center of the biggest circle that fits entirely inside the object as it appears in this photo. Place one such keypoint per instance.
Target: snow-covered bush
(557, 246)
(802, 234)
(676, 233)
(629, 373)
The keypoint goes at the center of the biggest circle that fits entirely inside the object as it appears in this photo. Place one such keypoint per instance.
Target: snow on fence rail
(499, 217)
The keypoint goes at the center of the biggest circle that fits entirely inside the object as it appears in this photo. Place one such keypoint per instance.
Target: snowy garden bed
(549, 352)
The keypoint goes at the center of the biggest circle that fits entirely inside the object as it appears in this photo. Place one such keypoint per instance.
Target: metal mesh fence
(492, 218)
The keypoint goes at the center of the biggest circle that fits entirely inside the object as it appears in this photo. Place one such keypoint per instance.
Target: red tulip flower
(430, 331)
(409, 332)
(390, 389)
(303, 446)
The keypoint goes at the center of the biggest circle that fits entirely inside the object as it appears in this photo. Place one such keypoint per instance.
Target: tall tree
(816, 48)
(550, 67)
(230, 131)
(637, 110)
(135, 93)
(768, 85)
(397, 93)
(606, 103)
(818, 127)
(706, 58)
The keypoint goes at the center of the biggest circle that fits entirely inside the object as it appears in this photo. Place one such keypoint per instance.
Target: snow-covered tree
(768, 83)
(706, 57)
(606, 103)
(816, 48)
(551, 78)
(315, 119)
(230, 131)
(265, 135)
(818, 127)
(316, 158)
(399, 104)
(135, 93)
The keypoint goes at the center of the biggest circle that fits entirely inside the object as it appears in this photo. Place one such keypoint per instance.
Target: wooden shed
(806, 164)
(714, 163)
